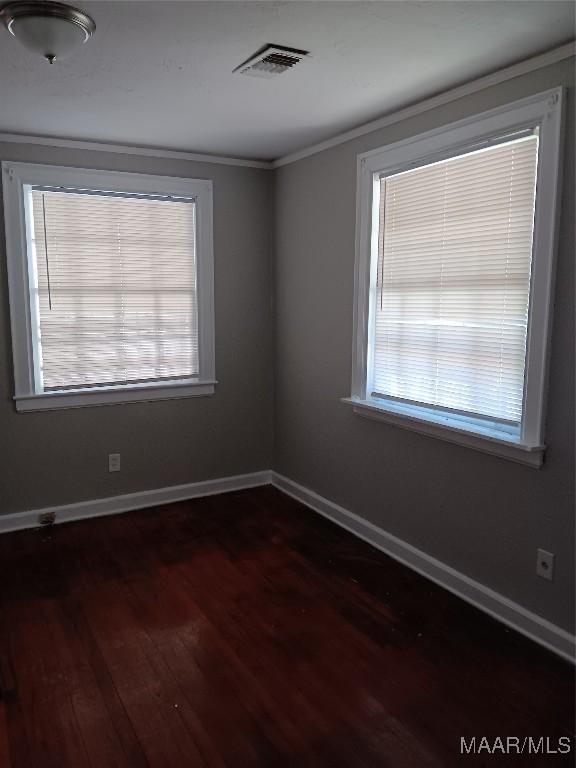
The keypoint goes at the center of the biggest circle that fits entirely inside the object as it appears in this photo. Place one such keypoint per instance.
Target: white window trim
(18, 175)
(543, 110)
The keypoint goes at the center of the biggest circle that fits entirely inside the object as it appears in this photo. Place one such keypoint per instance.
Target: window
(454, 279)
(110, 286)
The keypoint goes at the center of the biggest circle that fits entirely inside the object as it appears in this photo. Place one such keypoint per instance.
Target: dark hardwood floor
(245, 630)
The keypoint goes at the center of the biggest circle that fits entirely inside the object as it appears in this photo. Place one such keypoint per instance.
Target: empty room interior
(287, 384)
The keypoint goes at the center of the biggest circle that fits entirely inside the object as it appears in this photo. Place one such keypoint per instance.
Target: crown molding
(500, 76)
(49, 141)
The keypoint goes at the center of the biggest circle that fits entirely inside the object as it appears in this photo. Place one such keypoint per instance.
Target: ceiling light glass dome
(50, 29)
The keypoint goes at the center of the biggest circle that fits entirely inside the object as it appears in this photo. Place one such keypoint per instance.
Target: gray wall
(481, 514)
(59, 457)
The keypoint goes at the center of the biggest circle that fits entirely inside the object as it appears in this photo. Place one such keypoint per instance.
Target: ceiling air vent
(271, 61)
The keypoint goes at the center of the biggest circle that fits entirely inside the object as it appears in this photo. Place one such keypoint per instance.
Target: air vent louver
(271, 61)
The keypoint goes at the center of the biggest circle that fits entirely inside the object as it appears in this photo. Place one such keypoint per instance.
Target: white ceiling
(159, 74)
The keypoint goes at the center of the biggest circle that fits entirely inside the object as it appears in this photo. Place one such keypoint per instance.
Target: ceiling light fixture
(51, 29)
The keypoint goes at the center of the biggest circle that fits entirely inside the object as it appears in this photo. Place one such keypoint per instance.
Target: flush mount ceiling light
(51, 29)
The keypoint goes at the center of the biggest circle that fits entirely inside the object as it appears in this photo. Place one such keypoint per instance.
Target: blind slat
(453, 281)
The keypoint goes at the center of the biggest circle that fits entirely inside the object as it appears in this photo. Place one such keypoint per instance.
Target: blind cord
(46, 251)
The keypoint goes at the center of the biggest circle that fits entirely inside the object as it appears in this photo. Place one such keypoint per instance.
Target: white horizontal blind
(116, 277)
(455, 248)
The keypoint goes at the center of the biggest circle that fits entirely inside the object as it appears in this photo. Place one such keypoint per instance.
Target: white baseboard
(127, 502)
(502, 608)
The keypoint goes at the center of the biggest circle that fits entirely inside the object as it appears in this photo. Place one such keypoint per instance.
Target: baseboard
(496, 605)
(502, 608)
(127, 502)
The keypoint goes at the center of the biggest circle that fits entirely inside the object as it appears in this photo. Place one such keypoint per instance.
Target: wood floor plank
(5, 761)
(245, 631)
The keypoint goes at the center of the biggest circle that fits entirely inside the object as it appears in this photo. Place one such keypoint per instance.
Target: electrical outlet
(545, 565)
(113, 462)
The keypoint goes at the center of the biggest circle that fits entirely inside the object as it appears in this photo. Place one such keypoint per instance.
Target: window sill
(136, 393)
(485, 440)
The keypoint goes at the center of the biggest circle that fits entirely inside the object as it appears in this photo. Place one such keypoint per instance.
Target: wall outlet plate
(545, 565)
(113, 462)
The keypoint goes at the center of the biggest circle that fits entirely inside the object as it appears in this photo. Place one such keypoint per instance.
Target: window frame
(16, 177)
(542, 111)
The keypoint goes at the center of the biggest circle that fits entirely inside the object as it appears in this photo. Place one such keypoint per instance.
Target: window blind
(116, 288)
(453, 281)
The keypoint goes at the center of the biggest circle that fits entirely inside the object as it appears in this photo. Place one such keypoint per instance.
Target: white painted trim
(128, 502)
(122, 149)
(495, 78)
(448, 431)
(542, 111)
(17, 179)
(496, 605)
(130, 393)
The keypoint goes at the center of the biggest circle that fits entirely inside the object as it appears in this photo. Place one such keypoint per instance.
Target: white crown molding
(515, 70)
(128, 502)
(500, 76)
(48, 141)
(487, 600)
